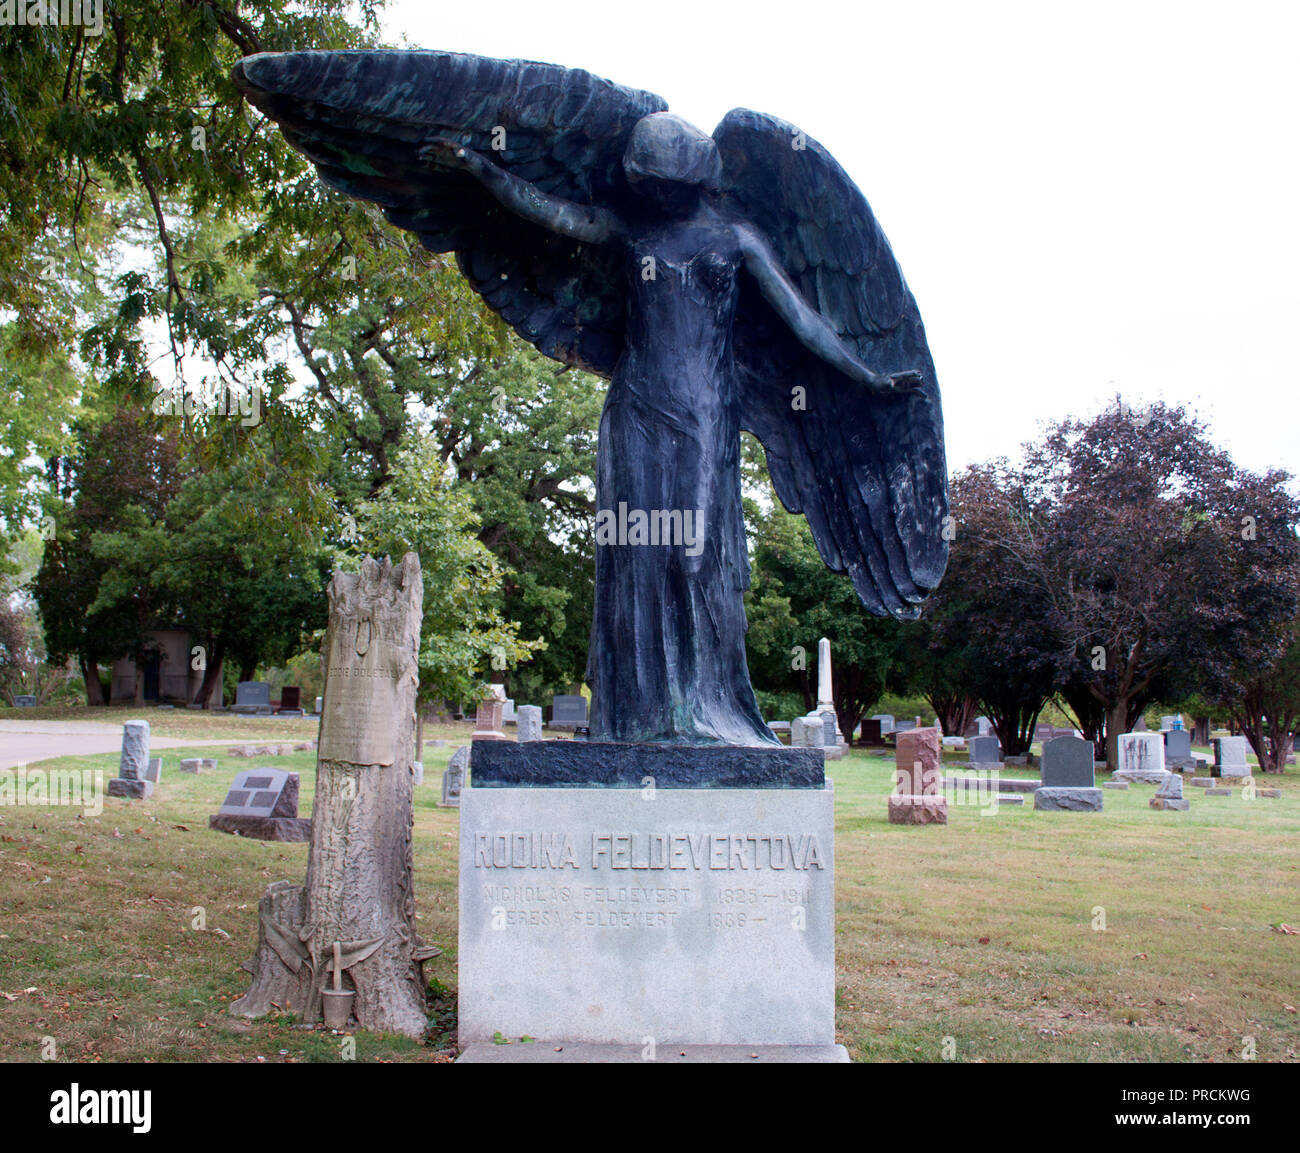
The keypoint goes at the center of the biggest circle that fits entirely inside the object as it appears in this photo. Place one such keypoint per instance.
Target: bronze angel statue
(719, 283)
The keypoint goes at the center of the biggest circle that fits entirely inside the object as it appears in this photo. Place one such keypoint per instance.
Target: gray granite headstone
(262, 804)
(1170, 794)
(830, 736)
(197, 764)
(319, 701)
(417, 771)
(453, 778)
(1230, 757)
(1168, 723)
(132, 780)
(529, 722)
(568, 712)
(153, 771)
(509, 714)
(24, 701)
(985, 751)
(886, 722)
(135, 751)
(1067, 763)
(904, 726)
(252, 698)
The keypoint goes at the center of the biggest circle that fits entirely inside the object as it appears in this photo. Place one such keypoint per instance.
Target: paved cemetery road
(24, 742)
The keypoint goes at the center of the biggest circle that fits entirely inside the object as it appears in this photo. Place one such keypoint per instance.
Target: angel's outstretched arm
(580, 221)
(812, 329)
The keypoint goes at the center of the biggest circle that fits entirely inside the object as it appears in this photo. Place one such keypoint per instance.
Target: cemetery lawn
(981, 931)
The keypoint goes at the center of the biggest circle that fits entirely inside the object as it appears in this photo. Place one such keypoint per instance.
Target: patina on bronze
(720, 283)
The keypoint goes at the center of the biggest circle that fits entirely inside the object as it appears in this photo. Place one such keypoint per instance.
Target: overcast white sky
(1085, 198)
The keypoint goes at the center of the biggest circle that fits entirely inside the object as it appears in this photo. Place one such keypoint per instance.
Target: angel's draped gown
(667, 654)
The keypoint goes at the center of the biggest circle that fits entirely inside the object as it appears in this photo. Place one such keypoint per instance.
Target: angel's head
(668, 159)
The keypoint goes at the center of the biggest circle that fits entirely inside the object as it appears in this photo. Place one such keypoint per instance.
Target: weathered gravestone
(153, 772)
(1169, 723)
(1230, 757)
(886, 722)
(568, 712)
(453, 778)
(905, 726)
(132, 778)
(1170, 794)
(1141, 758)
(198, 764)
(917, 798)
(1178, 751)
(352, 924)
(509, 715)
(262, 804)
(24, 701)
(291, 701)
(830, 736)
(985, 751)
(1069, 783)
(319, 701)
(252, 698)
(808, 732)
(529, 723)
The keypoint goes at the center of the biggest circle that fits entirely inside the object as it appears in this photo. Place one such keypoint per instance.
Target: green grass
(978, 934)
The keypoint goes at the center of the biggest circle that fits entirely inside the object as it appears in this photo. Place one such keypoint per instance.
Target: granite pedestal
(1073, 800)
(608, 900)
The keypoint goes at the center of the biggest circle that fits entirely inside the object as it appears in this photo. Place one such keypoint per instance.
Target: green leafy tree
(463, 637)
(795, 600)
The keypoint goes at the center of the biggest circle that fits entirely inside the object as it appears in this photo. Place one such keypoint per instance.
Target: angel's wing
(867, 472)
(362, 118)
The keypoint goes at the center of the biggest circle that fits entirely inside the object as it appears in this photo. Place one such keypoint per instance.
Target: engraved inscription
(677, 874)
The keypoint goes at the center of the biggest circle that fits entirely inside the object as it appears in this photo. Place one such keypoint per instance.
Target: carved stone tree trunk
(358, 891)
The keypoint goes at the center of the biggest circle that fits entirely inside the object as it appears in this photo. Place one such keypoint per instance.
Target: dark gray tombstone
(568, 712)
(262, 804)
(886, 722)
(904, 726)
(871, 735)
(1178, 749)
(24, 701)
(252, 698)
(1067, 764)
(1069, 783)
(985, 751)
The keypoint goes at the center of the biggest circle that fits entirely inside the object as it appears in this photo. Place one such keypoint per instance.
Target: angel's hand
(908, 381)
(447, 153)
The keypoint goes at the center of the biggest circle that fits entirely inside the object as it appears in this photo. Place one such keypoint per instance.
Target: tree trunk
(1116, 723)
(94, 687)
(211, 674)
(955, 712)
(419, 735)
(359, 869)
(1200, 731)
